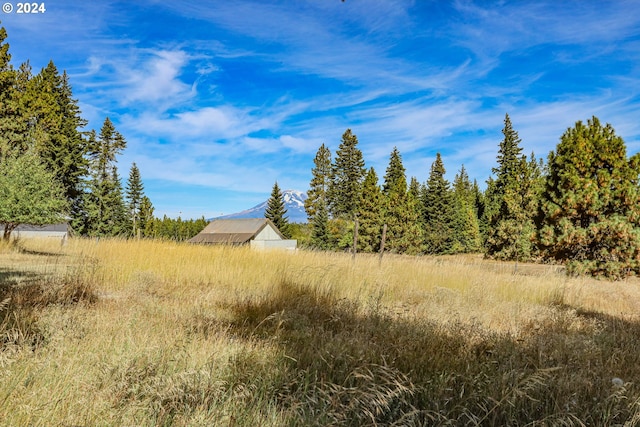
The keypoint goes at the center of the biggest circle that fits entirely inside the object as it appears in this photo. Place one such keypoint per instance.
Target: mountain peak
(293, 202)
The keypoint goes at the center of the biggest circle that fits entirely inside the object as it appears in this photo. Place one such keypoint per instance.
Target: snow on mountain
(293, 202)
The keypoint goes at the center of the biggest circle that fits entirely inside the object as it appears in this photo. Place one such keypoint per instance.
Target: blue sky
(219, 99)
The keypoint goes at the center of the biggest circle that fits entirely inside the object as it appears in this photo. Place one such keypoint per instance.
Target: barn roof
(236, 231)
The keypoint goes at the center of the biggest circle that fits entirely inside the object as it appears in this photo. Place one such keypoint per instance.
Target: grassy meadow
(146, 333)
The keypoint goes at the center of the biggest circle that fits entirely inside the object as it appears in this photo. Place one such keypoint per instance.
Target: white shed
(59, 231)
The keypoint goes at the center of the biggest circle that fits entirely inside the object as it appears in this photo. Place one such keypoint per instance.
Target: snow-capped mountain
(293, 202)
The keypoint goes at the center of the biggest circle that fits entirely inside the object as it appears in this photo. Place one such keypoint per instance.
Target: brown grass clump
(159, 333)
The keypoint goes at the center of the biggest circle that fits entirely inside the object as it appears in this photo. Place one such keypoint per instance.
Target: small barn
(259, 233)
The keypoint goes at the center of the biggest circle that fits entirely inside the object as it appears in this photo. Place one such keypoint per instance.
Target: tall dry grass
(115, 332)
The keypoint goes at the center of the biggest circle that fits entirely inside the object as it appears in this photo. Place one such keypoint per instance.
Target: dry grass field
(148, 333)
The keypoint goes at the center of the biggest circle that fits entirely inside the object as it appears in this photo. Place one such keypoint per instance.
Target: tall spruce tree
(466, 227)
(508, 158)
(478, 205)
(320, 238)
(316, 204)
(13, 124)
(320, 180)
(511, 202)
(134, 195)
(412, 242)
(395, 179)
(276, 211)
(346, 179)
(119, 218)
(589, 216)
(370, 214)
(146, 217)
(55, 124)
(103, 202)
(438, 211)
(400, 213)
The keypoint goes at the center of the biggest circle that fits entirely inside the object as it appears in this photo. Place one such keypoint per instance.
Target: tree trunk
(8, 228)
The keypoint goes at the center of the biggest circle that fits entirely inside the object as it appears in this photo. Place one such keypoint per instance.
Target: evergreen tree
(55, 124)
(316, 204)
(466, 228)
(134, 195)
(395, 179)
(508, 158)
(347, 176)
(589, 215)
(370, 214)
(103, 203)
(320, 228)
(119, 218)
(412, 241)
(511, 201)
(13, 125)
(276, 211)
(401, 213)
(438, 211)
(478, 205)
(146, 217)
(103, 151)
(319, 185)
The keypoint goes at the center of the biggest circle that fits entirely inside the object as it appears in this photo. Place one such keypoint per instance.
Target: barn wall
(274, 244)
(267, 233)
(38, 234)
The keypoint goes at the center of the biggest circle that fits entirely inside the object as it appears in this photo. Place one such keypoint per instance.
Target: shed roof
(233, 230)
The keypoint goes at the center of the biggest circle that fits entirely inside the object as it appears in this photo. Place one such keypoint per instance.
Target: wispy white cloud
(158, 79)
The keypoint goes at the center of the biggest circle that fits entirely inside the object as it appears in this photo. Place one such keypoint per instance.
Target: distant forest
(580, 208)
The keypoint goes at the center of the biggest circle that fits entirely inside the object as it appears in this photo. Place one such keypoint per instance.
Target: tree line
(580, 208)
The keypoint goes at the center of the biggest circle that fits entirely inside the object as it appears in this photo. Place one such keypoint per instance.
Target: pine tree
(13, 125)
(466, 228)
(395, 179)
(589, 215)
(319, 185)
(276, 211)
(478, 205)
(146, 217)
(316, 204)
(118, 217)
(400, 213)
(320, 228)
(511, 201)
(69, 161)
(55, 124)
(370, 214)
(413, 238)
(509, 155)
(134, 195)
(347, 176)
(103, 202)
(438, 211)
